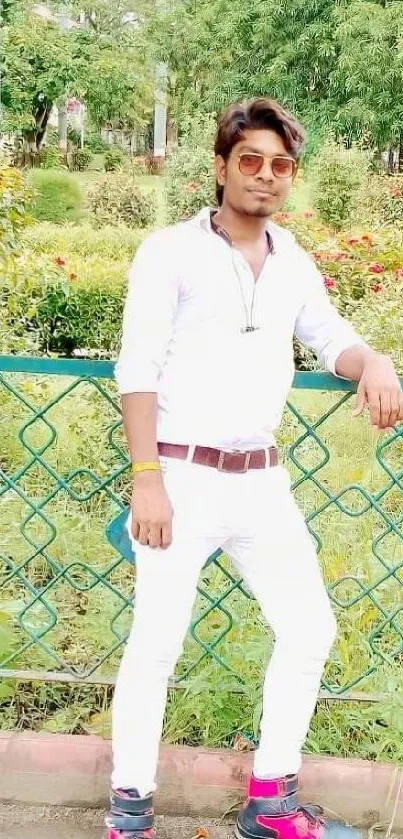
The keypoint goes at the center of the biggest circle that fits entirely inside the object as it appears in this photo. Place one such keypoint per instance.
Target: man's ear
(220, 170)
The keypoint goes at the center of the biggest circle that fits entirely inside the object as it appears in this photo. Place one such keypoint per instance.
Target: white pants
(254, 518)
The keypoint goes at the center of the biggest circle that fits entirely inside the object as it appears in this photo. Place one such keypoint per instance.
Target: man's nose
(266, 172)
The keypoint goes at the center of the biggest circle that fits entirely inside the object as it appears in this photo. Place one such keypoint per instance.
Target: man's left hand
(380, 389)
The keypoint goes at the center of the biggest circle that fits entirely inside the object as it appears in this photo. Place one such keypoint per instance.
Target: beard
(260, 210)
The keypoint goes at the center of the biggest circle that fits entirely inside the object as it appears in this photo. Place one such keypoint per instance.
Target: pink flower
(284, 216)
(339, 256)
(58, 260)
(329, 282)
(399, 274)
(367, 239)
(193, 187)
(375, 268)
(308, 215)
(353, 240)
(377, 287)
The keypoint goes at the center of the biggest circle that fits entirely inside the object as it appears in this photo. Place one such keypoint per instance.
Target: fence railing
(66, 596)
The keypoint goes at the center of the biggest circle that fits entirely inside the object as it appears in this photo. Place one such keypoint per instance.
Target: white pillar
(160, 113)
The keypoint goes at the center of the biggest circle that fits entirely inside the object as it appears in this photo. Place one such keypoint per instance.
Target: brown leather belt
(223, 461)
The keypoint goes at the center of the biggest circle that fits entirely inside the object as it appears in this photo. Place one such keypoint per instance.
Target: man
(204, 370)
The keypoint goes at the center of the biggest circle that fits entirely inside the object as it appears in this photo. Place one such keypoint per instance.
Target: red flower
(73, 277)
(377, 287)
(58, 260)
(353, 240)
(284, 216)
(308, 215)
(396, 192)
(367, 239)
(329, 282)
(317, 254)
(399, 274)
(375, 268)
(339, 256)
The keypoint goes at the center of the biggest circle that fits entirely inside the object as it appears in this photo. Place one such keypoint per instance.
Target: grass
(206, 711)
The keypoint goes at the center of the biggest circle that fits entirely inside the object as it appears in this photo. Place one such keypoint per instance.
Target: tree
(368, 81)
(44, 60)
(117, 70)
(38, 66)
(337, 64)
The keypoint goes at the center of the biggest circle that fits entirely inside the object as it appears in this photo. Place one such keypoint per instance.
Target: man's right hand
(152, 511)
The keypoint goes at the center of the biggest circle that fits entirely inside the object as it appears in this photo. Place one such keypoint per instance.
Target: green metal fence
(66, 596)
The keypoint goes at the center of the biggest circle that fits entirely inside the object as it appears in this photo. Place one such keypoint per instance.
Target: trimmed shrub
(117, 199)
(114, 159)
(58, 196)
(50, 157)
(46, 308)
(81, 159)
(83, 243)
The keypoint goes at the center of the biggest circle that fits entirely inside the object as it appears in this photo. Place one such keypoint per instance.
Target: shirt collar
(205, 220)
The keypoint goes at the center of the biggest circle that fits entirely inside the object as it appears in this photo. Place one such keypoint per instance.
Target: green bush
(190, 171)
(15, 197)
(114, 159)
(391, 199)
(58, 196)
(379, 319)
(82, 242)
(96, 144)
(117, 199)
(81, 159)
(74, 138)
(50, 157)
(338, 176)
(45, 308)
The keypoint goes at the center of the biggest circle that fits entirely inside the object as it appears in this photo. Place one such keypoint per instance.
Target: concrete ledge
(74, 771)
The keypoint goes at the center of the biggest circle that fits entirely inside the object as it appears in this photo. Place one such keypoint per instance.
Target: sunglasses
(250, 163)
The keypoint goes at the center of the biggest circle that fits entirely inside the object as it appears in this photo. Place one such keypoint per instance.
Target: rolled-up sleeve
(148, 317)
(319, 326)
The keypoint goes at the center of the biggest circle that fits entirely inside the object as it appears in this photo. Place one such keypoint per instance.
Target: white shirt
(189, 297)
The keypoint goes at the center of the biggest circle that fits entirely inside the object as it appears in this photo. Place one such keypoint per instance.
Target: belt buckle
(221, 462)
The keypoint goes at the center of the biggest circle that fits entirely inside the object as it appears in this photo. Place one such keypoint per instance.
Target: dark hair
(255, 114)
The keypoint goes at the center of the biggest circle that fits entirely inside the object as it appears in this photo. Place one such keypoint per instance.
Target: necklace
(249, 326)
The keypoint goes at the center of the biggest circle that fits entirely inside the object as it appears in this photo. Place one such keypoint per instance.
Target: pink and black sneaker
(130, 816)
(272, 811)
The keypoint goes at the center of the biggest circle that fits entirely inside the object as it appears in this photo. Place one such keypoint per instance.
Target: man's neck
(241, 228)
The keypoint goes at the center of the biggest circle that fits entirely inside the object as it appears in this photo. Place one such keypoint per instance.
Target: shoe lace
(313, 812)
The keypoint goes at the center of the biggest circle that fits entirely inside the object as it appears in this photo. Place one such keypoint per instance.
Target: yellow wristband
(146, 466)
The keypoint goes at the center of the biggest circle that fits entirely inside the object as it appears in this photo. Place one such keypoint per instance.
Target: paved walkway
(25, 822)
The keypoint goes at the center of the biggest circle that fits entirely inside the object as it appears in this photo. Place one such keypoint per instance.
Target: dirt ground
(26, 822)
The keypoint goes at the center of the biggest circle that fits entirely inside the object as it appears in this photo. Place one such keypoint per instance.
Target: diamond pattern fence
(66, 597)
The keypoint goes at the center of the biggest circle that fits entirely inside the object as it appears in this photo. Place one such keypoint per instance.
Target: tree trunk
(33, 139)
(172, 135)
(391, 160)
(62, 127)
(400, 158)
